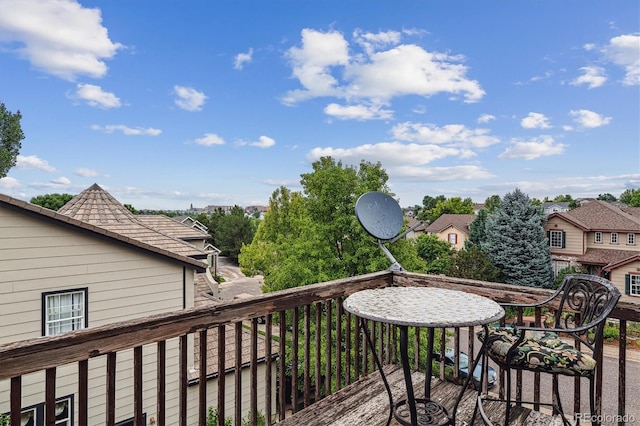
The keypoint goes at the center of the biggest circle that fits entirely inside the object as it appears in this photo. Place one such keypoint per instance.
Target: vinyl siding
(574, 238)
(123, 283)
(617, 275)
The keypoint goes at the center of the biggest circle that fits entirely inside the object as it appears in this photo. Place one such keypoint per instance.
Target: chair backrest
(584, 301)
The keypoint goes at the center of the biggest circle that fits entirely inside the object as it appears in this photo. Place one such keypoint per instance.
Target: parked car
(463, 368)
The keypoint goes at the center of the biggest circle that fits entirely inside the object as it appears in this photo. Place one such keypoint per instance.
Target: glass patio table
(421, 307)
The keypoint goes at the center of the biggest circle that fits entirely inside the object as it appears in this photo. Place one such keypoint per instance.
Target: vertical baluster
(318, 356)
(327, 349)
(202, 382)
(338, 343)
(83, 392)
(111, 389)
(137, 386)
(238, 375)
(161, 365)
(307, 355)
(294, 360)
(416, 348)
(50, 397)
(347, 354)
(622, 368)
(268, 374)
(536, 375)
(16, 400)
(182, 355)
(254, 372)
(222, 344)
(282, 364)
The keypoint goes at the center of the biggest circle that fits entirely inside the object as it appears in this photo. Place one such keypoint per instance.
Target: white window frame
(37, 413)
(631, 239)
(64, 311)
(559, 266)
(555, 239)
(453, 238)
(598, 238)
(614, 238)
(634, 285)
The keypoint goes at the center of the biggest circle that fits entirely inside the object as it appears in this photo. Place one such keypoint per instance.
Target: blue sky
(168, 104)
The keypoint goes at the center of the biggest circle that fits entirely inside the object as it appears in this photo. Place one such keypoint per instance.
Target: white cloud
(324, 67)
(589, 119)
(358, 112)
(242, 58)
(33, 162)
(61, 181)
(591, 76)
(440, 174)
(85, 172)
(59, 37)
(542, 146)
(262, 142)
(453, 134)
(391, 154)
(9, 183)
(210, 139)
(485, 118)
(535, 120)
(95, 96)
(126, 130)
(624, 51)
(189, 98)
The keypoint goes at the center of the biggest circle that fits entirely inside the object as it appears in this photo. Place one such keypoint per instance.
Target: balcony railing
(264, 357)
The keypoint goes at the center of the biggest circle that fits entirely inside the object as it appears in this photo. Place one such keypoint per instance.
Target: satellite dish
(381, 216)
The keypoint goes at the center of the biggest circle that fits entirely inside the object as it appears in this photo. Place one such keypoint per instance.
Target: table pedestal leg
(363, 326)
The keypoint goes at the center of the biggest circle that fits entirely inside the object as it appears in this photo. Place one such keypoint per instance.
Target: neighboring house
(453, 228)
(60, 273)
(600, 237)
(551, 207)
(417, 228)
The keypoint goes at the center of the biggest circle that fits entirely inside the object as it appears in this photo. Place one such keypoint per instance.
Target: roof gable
(96, 230)
(459, 221)
(601, 216)
(96, 206)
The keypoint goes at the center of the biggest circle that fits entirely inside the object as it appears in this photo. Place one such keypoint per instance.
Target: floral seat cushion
(539, 351)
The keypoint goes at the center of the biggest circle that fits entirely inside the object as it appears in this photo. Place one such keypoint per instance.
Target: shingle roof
(460, 221)
(172, 227)
(605, 256)
(64, 220)
(599, 215)
(96, 206)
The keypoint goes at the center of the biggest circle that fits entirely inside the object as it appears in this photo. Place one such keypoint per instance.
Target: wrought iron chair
(579, 308)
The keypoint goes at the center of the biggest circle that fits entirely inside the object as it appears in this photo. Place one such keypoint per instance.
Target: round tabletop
(423, 307)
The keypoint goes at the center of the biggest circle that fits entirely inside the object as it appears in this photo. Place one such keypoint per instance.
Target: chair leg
(508, 409)
(592, 402)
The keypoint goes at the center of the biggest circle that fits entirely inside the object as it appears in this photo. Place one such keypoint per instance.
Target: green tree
(477, 230)
(631, 197)
(131, 209)
(428, 203)
(474, 263)
(314, 236)
(11, 136)
(454, 205)
(492, 203)
(234, 230)
(435, 252)
(606, 197)
(517, 244)
(51, 201)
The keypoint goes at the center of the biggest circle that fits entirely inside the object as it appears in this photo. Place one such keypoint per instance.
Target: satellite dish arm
(395, 266)
(401, 235)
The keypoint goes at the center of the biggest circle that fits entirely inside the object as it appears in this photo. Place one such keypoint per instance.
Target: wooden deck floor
(366, 403)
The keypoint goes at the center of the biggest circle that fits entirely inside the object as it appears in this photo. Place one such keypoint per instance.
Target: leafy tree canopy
(492, 203)
(314, 236)
(631, 197)
(435, 252)
(441, 205)
(474, 263)
(516, 242)
(232, 231)
(11, 136)
(606, 197)
(51, 201)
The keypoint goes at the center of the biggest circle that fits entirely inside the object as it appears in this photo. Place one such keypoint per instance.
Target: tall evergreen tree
(517, 244)
(477, 230)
